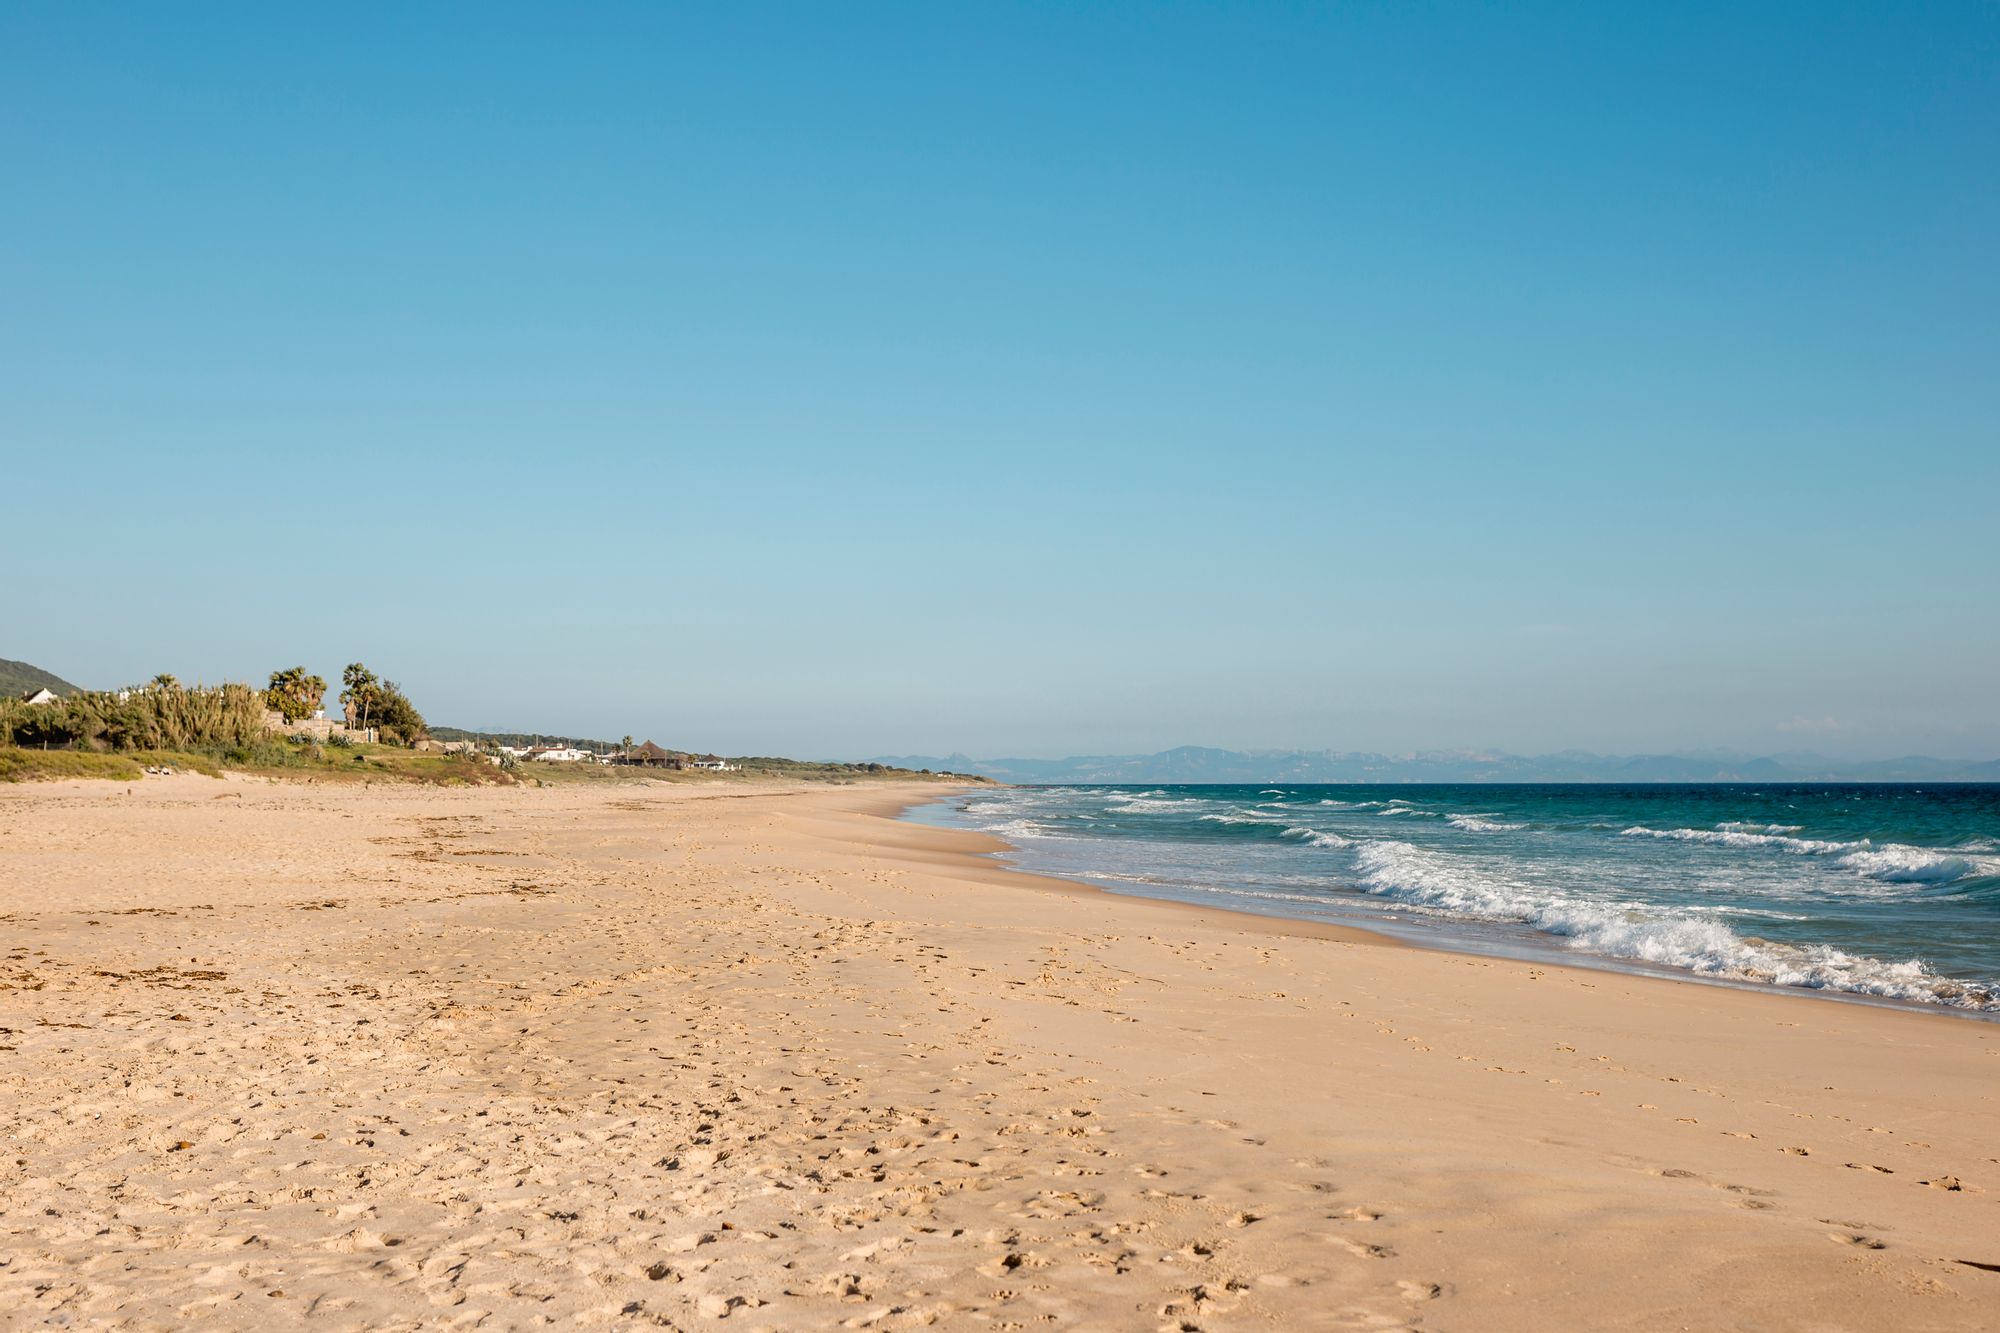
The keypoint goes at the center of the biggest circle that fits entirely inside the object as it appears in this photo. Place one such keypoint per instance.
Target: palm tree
(166, 680)
(363, 689)
(294, 693)
(625, 749)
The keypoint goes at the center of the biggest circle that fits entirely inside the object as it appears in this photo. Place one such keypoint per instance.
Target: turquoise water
(1888, 891)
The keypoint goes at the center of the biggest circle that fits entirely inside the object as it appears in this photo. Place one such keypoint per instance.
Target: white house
(562, 755)
(43, 695)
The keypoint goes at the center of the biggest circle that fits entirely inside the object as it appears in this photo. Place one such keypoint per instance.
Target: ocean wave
(1743, 826)
(1894, 863)
(1152, 804)
(1480, 824)
(1314, 838)
(1021, 828)
(1243, 817)
(1888, 863)
(1399, 871)
(1735, 838)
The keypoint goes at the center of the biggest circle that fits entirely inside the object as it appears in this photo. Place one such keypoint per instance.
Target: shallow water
(1887, 891)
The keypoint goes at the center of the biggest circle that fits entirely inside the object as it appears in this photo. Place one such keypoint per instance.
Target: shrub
(171, 718)
(394, 716)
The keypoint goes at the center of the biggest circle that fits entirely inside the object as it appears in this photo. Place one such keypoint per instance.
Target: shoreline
(1532, 951)
(774, 1055)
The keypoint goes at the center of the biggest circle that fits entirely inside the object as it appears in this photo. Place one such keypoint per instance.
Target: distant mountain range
(1200, 764)
(18, 678)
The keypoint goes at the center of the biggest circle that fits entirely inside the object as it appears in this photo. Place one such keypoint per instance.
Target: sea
(1888, 892)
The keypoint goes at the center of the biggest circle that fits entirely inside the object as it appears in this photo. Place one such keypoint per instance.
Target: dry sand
(660, 1056)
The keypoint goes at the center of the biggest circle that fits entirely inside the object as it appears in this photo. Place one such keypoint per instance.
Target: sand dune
(666, 1056)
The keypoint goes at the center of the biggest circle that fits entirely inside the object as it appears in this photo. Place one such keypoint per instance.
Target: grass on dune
(19, 765)
(53, 765)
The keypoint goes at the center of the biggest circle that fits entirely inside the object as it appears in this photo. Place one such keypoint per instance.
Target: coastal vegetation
(293, 694)
(522, 739)
(18, 765)
(216, 719)
(370, 701)
(164, 725)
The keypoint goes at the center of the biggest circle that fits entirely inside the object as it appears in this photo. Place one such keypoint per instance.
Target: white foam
(1741, 826)
(1700, 944)
(1314, 838)
(1890, 863)
(1028, 828)
(1244, 817)
(1735, 838)
(1480, 824)
(1894, 863)
(1151, 804)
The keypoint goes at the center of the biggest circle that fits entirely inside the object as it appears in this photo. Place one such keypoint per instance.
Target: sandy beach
(654, 1056)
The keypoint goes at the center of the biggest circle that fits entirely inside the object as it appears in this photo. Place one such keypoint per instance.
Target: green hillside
(17, 678)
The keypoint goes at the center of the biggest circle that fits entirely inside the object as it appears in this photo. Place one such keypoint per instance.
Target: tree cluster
(373, 702)
(294, 694)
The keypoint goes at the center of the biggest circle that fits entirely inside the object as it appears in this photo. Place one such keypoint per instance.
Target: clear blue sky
(1020, 379)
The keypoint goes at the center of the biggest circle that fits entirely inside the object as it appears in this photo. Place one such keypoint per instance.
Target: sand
(636, 1057)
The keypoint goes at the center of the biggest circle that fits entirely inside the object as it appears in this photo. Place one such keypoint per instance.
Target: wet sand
(643, 1056)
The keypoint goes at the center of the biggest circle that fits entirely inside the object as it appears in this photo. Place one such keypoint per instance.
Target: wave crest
(1480, 824)
(1889, 863)
(1408, 874)
(1315, 838)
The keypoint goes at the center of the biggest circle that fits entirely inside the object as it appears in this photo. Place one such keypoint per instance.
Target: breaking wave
(1891, 862)
(1729, 837)
(1896, 864)
(1699, 943)
(1314, 838)
(1480, 824)
(1151, 803)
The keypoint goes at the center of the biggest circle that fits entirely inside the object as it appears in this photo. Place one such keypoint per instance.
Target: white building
(40, 696)
(562, 755)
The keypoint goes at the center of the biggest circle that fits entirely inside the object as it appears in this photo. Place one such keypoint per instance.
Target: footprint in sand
(1857, 1239)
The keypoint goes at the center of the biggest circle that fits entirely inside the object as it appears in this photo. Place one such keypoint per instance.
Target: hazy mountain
(1194, 763)
(17, 678)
